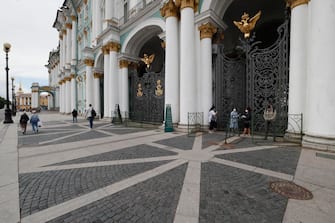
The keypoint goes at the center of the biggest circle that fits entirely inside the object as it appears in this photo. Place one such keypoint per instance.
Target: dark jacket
(24, 118)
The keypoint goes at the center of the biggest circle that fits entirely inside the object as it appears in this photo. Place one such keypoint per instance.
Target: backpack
(93, 113)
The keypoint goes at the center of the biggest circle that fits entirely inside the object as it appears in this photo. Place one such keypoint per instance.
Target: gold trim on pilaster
(72, 76)
(73, 17)
(207, 30)
(295, 3)
(64, 31)
(188, 4)
(60, 82)
(89, 62)
(97, 75)
(61, 36)
(124, 64)
(67, 79)
(85, 2)
(169, 9)
(114, 46)
(105, 49)
(68, 25)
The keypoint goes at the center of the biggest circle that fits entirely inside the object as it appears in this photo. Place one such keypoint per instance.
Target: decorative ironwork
(229, 86)
(268, 77)
(147, 97)
(194, 122)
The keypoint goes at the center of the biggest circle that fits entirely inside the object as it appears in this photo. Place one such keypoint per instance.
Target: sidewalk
(70, 173)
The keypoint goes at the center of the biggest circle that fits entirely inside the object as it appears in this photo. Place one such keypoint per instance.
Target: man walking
(90, 115)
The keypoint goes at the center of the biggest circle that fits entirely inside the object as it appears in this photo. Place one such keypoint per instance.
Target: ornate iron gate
(229, 86)
(147, 97)
(257, 81)
(268, 80)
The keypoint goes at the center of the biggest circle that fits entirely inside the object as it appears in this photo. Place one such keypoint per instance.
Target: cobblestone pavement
(69, 173)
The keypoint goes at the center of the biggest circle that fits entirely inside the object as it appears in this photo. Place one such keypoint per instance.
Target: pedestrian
(34, 119)
(234, 121)
(269, 116)
(74, 115)
(23, 121)
(90, 115)
(246, 118)
(212, 119)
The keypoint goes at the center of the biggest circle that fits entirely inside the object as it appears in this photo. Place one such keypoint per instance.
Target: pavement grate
(291, 190)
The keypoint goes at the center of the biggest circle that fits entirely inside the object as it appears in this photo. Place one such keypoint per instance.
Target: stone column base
(319, 142)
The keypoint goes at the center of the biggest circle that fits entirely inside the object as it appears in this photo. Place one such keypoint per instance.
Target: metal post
(8, 113)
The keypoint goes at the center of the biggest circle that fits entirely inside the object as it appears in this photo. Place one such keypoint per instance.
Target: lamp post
(8, 113)
(13, 98)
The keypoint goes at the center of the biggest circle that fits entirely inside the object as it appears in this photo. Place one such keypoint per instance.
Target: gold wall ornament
(295, 3)
(159, 89)
(207, 30)
(89, 62)
(148, 59)
(169, 9)
(139, 91)
(247, 24)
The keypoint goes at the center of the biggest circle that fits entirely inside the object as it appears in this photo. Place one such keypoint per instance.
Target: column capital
(124, 64)
(207, 30)
(67, 79)
(97, 75)
(72, 76)
(89, 62)
(105, 49)
(68, 25)
(169, 9)
(295, 3)
(114, 46)
(64, 31)
(188, 4)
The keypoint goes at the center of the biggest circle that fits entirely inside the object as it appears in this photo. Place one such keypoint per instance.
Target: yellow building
(23, 100)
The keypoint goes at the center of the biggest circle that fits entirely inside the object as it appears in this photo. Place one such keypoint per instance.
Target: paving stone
(233, 195)
(135, 152)
(56, 187)
(154, 200)
(281, 159)
(183, 142)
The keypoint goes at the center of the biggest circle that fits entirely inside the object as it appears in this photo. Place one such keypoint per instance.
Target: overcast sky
(27, 26)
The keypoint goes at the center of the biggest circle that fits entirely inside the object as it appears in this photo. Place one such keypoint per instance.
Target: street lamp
(13, 98)
(8, 113)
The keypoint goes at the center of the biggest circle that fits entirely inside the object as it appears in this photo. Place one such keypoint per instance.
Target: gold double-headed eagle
(247, 24)
(148, 59)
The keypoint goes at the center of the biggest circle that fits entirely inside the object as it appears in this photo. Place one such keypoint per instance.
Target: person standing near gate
(246, 118)
(212, 119)
(269, 116)
(234, 121)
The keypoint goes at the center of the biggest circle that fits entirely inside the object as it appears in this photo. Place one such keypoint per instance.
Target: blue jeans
(90, 119)
(34, 125)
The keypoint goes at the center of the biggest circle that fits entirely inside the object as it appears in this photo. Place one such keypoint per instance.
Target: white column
(170, 12)
(57, 96)
(74, 41)
(68, 95)
(124, 97)
(320, 90)
(187, 63)
(68, 44)
(64, 49)
(89, 81)
(73, 92)
(61, 96)
(105, 50)
(61, 50)
(298, 63)
(97, 102)
(206, 33)
(113, 77)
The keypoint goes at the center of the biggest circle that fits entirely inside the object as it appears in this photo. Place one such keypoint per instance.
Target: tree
(2, 102)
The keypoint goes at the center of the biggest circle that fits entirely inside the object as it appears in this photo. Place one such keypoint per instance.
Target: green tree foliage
(2, 102)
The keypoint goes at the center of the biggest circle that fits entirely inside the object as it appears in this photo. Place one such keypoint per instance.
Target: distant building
(24, 101)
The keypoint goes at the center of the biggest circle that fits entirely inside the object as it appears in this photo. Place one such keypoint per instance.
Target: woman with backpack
(90, 114)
